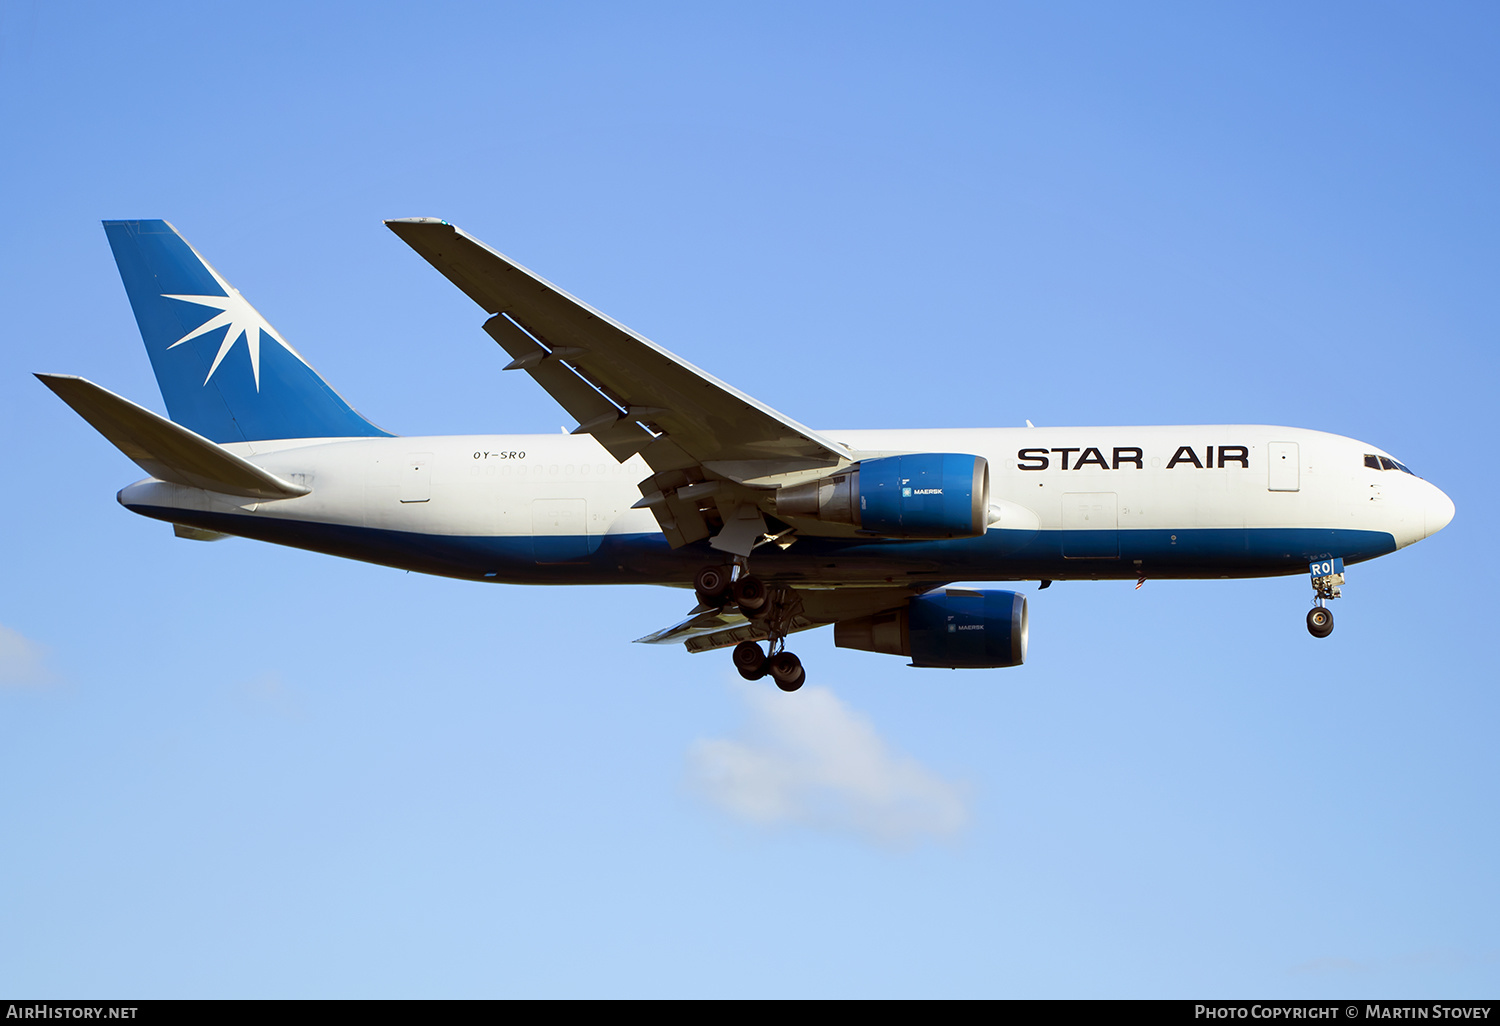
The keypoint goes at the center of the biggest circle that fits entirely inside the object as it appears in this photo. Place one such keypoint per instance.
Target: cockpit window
(1386, 463)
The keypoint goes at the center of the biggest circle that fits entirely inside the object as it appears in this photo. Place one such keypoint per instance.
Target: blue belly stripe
(646, 558)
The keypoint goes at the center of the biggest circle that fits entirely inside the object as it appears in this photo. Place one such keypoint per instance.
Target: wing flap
(597, 414)
(719, 628)
(163, 449)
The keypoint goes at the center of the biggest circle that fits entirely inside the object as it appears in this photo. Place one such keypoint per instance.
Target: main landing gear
(1327, 581)
(718, 586)
(783, 667)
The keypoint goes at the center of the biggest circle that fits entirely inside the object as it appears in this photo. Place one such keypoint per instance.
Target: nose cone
(1438, 512)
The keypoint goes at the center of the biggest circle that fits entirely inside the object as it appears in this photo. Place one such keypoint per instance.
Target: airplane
(673, 477)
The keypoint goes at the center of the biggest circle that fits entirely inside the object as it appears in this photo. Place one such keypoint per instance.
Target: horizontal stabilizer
(167, 451)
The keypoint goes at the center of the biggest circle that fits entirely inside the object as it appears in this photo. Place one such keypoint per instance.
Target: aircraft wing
(694, 431)
(706, 628)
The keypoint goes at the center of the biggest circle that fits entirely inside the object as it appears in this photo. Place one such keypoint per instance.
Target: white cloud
(268, 693)
(809, 759)
(22, 661)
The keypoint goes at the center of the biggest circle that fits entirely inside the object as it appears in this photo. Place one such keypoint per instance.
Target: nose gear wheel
(1320, 621)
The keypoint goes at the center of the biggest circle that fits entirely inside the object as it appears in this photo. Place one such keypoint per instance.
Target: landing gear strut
(769, 608)
(1327, 582)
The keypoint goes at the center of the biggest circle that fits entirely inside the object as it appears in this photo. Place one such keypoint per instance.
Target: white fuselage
(1192, 501)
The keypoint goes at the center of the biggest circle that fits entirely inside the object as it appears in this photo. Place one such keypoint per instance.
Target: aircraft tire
(786, 670)
(750, 595)
(1319, 622)
(712, 584)
(750, 660)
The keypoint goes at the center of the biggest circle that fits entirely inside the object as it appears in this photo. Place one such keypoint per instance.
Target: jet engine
(951, 627)
(925, 495)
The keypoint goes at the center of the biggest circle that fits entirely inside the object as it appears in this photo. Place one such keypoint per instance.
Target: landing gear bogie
(784, 667)
(771, 610)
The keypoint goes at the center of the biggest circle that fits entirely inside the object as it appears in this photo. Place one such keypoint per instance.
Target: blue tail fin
(223, 370)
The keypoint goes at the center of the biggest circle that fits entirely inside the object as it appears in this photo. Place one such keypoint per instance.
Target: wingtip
(47, 379)
(391, 222)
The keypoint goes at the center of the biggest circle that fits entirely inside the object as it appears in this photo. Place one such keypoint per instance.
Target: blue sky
(237, 770)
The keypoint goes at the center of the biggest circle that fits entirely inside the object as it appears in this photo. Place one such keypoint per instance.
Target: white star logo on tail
(242, 318)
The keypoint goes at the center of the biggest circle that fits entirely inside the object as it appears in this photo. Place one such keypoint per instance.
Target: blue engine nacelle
(951, 627)
(924, 495)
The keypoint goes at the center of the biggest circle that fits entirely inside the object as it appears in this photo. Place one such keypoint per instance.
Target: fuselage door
(416, 477)
(1284, 475)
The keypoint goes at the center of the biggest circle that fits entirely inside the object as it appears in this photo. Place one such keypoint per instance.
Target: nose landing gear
(1327, 581)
